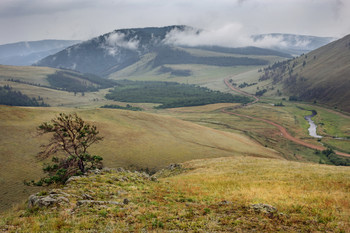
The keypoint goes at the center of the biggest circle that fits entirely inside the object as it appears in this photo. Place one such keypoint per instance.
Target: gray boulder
(264, 208)
(36, 200)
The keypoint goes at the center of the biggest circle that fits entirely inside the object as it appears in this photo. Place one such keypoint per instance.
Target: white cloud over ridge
(231, 35)
(117, 40)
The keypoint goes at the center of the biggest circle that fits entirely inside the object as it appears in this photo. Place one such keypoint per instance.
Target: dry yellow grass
(131, 138)
(202, 109)
(211, 195)
(32, 74)
(57, 98)
(317, 192)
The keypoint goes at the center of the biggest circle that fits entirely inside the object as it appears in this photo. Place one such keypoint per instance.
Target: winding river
(313, 127)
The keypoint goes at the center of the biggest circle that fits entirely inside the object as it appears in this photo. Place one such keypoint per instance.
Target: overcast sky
(26, 20)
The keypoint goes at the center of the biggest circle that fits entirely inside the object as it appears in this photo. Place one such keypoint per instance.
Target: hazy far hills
(26, 53)
(294, 44)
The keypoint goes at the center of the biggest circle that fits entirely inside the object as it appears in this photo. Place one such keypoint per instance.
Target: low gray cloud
(230, 35)
(13, 8)
(235, 19)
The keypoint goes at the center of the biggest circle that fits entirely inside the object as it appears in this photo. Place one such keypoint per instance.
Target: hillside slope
(233, 194)
(55, 87)
(322, 75)
(132, 139)
(66, 80)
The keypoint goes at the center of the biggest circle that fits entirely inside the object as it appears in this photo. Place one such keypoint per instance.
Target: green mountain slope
(322, 75)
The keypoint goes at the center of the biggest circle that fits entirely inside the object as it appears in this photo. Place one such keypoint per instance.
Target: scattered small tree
(72, 136)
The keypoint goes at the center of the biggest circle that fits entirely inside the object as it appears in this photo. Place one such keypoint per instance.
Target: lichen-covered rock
(59, 192)
(264, 208)
(74, 193)
(61, 199)
(171, 170)
(72, 178)
(174, 166)
(37, 200)
(87, 196)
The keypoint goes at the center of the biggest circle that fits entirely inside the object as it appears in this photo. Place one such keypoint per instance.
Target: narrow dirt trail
(256, 99)
(283, 130)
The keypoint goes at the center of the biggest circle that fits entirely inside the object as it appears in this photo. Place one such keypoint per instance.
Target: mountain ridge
(116, 50)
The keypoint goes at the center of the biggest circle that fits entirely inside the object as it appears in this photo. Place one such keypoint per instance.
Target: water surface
(313, 127)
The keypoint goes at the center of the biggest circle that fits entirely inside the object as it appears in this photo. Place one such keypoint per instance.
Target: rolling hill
(322, 76)
(132, 139)
(27, 53)
(66, 80)
(117, 50)
(58, 87)
(54, 85)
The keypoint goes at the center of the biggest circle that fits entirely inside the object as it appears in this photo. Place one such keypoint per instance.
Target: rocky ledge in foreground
(116, 200)
(73, 194)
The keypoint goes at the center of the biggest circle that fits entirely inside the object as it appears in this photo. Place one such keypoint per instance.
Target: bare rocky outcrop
(172, 170)
(53, 198)
(59, 197)
(264, 208)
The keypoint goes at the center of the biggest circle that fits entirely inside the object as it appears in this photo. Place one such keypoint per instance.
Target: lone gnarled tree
(72, 136)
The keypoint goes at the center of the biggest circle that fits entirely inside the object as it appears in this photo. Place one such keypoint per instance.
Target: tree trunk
(81, 166)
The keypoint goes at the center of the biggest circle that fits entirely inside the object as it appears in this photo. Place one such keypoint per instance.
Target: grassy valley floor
(333, 127)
